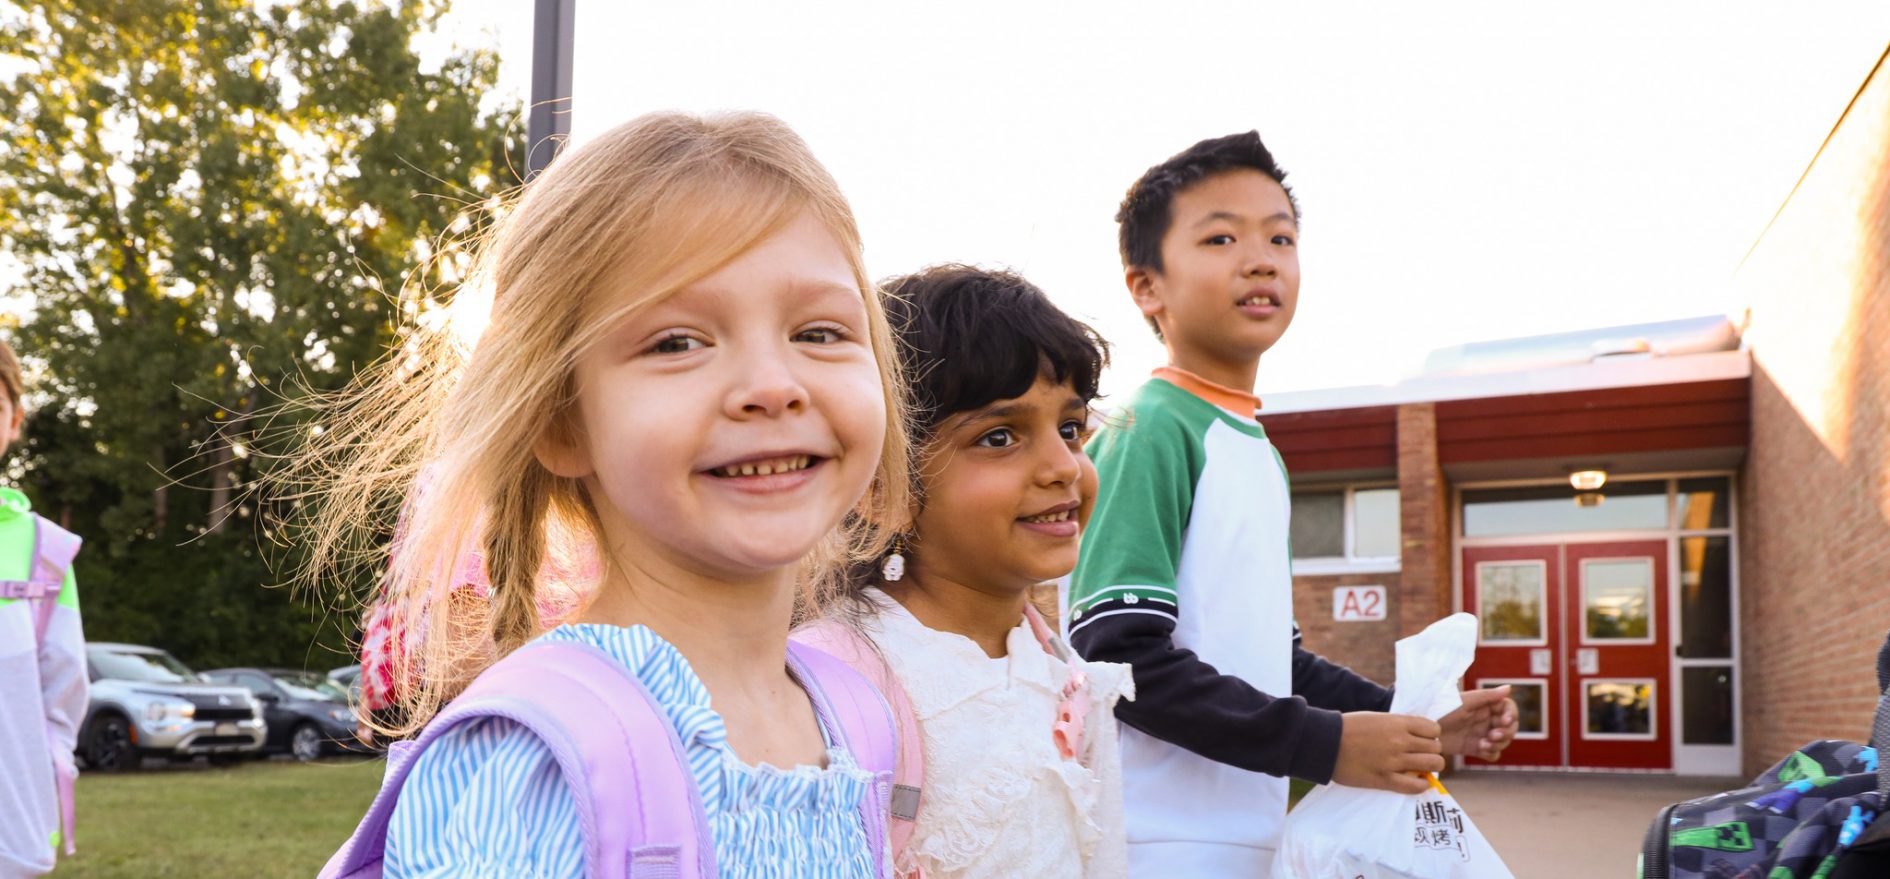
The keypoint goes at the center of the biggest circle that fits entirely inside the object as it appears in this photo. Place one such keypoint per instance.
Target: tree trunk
(221, 477)
(160, 496)
(223, 469)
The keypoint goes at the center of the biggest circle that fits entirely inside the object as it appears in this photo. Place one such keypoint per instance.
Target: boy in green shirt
(1185, 573)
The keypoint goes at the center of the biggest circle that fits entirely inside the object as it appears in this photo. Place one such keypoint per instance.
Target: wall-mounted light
(1588, 499)
(1588, 480)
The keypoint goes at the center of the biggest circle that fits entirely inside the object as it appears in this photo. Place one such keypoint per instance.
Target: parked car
(307, 714)
(146, 703)
(347, 677)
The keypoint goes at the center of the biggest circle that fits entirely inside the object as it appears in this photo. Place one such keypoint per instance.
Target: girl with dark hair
(1009, 760)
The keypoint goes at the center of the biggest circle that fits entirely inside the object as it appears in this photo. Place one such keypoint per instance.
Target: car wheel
(109, 747)
(306, 742)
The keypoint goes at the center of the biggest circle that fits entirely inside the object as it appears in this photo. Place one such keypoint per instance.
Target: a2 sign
(1358, 604)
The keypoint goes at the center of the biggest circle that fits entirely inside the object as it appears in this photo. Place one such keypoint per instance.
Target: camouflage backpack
(1819, 814)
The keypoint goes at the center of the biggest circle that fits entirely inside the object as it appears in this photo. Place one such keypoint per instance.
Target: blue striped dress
(487, 798)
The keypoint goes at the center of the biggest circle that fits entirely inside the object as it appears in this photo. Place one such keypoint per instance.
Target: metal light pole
(550, 121)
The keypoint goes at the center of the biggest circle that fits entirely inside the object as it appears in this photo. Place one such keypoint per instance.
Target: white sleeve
(64, 683)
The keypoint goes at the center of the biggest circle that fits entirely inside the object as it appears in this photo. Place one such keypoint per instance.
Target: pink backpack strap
(845, 643)
(57, 547)
(54, 548)
(848, 703)
(639, 811)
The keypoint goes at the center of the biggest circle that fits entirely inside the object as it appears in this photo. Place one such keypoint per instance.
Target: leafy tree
(217, 205)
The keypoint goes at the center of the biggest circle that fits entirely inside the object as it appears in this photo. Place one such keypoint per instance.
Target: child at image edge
(43, 684)
(1185, 572)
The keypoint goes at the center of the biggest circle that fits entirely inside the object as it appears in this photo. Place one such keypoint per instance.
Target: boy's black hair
(1148, 209)
(968, 337)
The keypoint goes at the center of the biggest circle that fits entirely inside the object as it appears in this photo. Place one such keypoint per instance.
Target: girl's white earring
(894, 567)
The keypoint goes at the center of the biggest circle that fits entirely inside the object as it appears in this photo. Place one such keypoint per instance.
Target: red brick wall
(1416, 595)
(1425, 496)
(1815, 494)
(1364, 647)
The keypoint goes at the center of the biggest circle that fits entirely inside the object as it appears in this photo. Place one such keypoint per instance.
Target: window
(1318, 529)
(1704, 503)
(1532, 704)
(140, 666)
(1339, 527)
(1617, 601)
(1622, 709)
(309, 687)
(1553, 509)
(1375, 532)
(1706, 705)
(1510, 599)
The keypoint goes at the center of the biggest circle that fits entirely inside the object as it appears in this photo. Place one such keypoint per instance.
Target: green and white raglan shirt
(43, 688)
(1186, 575)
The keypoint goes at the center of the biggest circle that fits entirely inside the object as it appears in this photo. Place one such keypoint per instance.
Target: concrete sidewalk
(1575, 826)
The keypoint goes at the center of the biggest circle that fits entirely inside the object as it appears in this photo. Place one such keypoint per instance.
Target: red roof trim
(1575, 424)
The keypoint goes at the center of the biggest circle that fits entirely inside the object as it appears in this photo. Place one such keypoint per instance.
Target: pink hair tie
(1067, 732)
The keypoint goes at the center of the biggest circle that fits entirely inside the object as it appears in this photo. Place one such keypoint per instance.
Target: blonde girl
(686, 372)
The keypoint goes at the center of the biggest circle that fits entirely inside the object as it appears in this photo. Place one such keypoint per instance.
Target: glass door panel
(1512, 597)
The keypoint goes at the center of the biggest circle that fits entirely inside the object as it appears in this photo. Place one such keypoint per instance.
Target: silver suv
(146, 703)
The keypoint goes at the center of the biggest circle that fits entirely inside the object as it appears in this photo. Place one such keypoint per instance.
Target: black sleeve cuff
(1317, 752)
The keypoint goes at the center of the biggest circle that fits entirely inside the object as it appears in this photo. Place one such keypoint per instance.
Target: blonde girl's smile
(768, 473)
(766, 465)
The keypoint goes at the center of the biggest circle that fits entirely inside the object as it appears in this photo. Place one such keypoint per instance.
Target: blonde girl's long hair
(613, 226)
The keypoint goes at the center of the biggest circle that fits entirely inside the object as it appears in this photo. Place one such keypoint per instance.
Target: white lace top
(999, 800)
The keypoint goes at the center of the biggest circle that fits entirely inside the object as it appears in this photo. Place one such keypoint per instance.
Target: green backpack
(1819, 814)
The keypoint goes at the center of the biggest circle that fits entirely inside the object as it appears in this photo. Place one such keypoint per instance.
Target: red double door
(1580, 632)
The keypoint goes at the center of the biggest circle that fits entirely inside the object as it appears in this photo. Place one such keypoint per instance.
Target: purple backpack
(622, 759)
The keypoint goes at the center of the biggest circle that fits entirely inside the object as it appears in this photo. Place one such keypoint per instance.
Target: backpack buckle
(905, 802)
(27, 589)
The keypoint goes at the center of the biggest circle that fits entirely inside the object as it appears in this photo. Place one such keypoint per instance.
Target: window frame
(1349, 563)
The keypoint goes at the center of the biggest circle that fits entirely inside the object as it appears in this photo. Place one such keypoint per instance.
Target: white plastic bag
(1340, 832)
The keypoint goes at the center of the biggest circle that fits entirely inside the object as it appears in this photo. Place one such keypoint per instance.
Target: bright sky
(1467, 170)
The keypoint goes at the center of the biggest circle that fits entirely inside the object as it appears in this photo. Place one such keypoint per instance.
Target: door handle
(1586, 661)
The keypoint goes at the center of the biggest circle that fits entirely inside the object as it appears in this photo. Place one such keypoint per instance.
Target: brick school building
(1677, 535)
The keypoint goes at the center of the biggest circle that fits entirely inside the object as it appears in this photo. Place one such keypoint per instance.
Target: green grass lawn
(1297, 790)
(252, 820)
